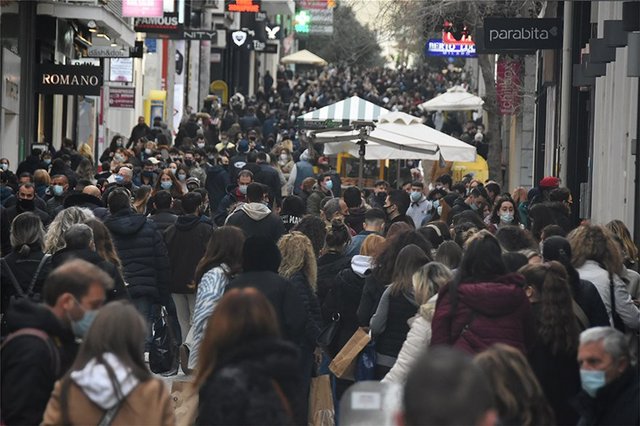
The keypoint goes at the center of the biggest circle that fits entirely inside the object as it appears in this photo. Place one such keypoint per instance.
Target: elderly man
(610, 383)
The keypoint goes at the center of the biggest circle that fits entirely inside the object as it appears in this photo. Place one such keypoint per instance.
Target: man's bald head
(92, 190)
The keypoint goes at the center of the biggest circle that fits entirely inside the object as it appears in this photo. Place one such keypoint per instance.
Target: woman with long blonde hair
(597, 258)
(299, 266)
(53, 240)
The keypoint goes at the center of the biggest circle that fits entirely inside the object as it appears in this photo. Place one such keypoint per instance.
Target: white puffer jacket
(417, 341)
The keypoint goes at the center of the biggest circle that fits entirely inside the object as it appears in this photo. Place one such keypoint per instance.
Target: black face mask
(381, 196)
(26, 205)
(188, 163)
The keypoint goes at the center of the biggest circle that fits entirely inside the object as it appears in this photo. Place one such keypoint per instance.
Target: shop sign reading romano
(69, 79)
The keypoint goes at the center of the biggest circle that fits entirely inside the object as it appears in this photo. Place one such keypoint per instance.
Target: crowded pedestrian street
(319, 212)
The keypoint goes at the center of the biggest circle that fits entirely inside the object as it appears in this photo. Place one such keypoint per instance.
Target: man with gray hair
(611, 385)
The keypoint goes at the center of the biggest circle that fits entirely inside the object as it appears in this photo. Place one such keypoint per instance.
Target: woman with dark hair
(514, 238)
(517, 393)
(553, 358)
(110, 378)
(116, 142)
(293, 209)
(314, 228)
(450, 254)
(246, 374)
(221, 261)
(167, 181)
(389, 326)
(436, 232)
(26, 266)
(504, 213)
(333, 260)
(483, 305)
(583, 292)
(382, 272)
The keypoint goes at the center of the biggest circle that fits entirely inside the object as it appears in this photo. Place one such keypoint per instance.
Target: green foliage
(351, 44)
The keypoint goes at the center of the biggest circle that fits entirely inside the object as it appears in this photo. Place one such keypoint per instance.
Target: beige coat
(148, 404)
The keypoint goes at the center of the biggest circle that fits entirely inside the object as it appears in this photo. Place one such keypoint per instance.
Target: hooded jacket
(254, 383)
(261, 260)
(355, 218)
(329, 266)
(186, 243)
(255, 219)
(143, 253)
(92, 393)
(216, 183)
(119, 291)
(487, 312)
(27, 366)
(344, 298)
(233, 196)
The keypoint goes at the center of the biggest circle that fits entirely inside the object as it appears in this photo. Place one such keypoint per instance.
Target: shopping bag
(321, 410)
(343, 363)
(365, 368)
(163, 353)
(185, 403)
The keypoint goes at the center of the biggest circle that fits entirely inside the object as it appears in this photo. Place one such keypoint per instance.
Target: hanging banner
(69, 79)
(121, 69)
(178, 84)
(508, 85)
(167, 25)
(437, 47)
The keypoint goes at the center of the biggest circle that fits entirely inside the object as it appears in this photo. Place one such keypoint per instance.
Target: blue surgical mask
(415, 196)
(167, 184)
(439, 210)
(592, 380)
(506, 218)
(172, 170)
(58, 190)
(329, 185)
(474, 207)
(47, 161)
(81, 326)
(182, 176)
(119, 178)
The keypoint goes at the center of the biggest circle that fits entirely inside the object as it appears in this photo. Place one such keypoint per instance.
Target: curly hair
(556, 324)
(298, 255)
(53, 240)
(314, 228)
(596, 243)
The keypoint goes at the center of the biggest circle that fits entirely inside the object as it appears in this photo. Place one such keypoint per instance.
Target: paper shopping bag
(321, 410)
(343, 363)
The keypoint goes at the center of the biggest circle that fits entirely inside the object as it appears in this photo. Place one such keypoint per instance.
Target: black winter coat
(163, 219)
(343, 298)
(27, 367)
(186, 243)
(587, 297)
(216, 184)
(270, 226)
(143, 254)
(283, 296)
(400, 310)
(371, 294)
(314, 323)
(329, 266)
(119, 290)
(254, 384)
(617, 403)
(23, 268)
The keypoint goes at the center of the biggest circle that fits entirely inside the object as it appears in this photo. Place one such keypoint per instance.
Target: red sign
(243, 6)
(508, 85)
(122, 97)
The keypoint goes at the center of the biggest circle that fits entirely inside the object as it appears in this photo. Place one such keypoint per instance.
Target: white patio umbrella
(304, 57)
(396, 136)
(341, 113)
(455, 99)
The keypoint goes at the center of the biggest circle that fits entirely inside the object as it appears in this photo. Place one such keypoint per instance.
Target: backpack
(53, 350)
(20, 293)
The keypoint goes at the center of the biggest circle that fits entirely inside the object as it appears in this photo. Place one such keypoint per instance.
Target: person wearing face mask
(610, 384)
(254, 217)
(321, 191)
(117, 141)
(471, 202)
(235, 194)
(420, 208)
(300, 171)
(41, 344)
(26, 202)
(504, 213)
(182, 175)
(167, 181)
(395, 207)
(59, 190)
(192, 166)
(379, 196)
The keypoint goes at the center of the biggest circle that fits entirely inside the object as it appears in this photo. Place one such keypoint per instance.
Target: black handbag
(163, 354)
(329, 332)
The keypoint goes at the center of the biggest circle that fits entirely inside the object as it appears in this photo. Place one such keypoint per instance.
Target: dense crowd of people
(486, 306)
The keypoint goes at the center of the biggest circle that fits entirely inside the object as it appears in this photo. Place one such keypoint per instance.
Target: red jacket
(486, 313)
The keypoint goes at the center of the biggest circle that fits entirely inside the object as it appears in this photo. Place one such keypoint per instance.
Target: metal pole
(361, 153)
(565, 99)
(636, 219)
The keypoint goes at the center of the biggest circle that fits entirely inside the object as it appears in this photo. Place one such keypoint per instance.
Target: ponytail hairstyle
(338, 236)
(556, 323)
(26, 233)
